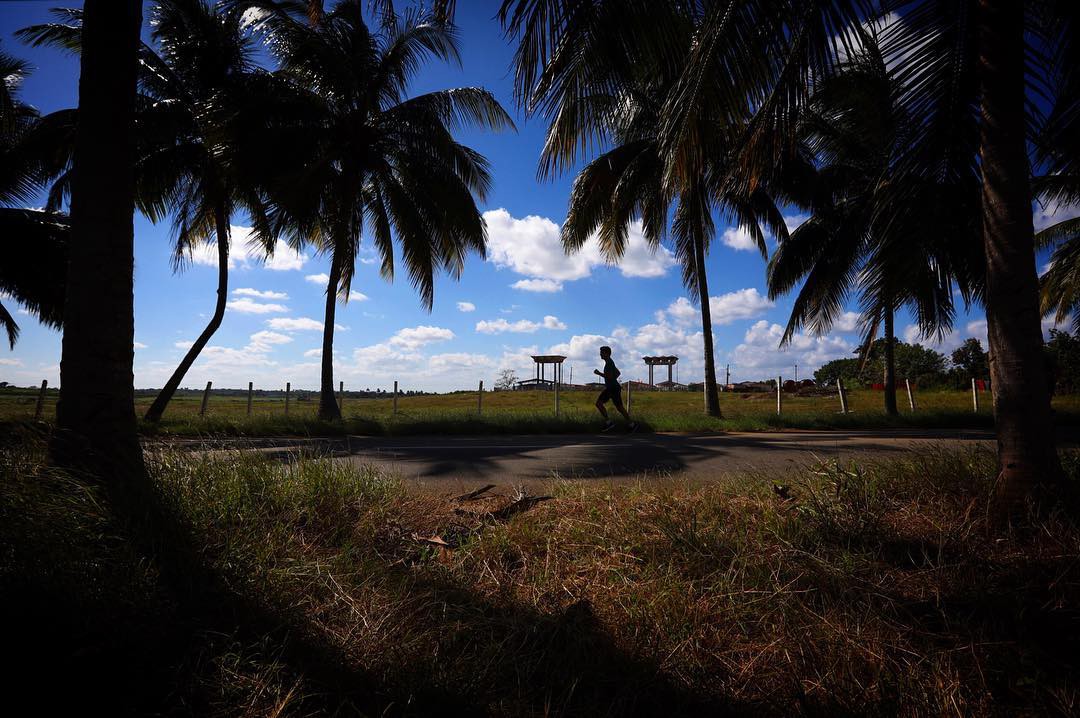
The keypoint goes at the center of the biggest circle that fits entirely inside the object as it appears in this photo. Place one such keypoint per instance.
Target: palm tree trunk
(328, 406)
(1025, 433)
(712, 396)
(890, 365)
(157, 409)
(96, 411)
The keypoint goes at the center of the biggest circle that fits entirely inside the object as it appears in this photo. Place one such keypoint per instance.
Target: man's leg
(600, 404)
(617, 401)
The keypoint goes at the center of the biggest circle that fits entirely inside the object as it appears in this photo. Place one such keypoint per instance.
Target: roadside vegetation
(322, 587)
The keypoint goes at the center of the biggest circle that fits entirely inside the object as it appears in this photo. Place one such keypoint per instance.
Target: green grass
(878, 589)
(533, 412)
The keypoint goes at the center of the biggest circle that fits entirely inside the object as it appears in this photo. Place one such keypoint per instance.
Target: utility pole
(727, 375)
(796, 372)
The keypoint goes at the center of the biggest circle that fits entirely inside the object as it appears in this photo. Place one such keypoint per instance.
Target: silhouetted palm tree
(34, 241)
(962, 65)
(627, 182)
(96, 414)
(356, 155)
(193, 83)
(879, 230)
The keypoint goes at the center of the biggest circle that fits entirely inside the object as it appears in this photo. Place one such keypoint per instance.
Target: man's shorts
(612, 394)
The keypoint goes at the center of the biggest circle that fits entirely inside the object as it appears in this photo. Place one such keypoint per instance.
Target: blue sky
(527, 297)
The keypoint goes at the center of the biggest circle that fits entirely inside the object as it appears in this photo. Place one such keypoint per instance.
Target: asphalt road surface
(526, 459)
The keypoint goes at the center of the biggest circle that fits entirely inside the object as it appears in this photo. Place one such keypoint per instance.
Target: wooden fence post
(251, 386)
(910, 395)
(288, 389)
(205, 399)
(629, 393)
(556, 393)
(480, 399)
(843, 395)
(974, 395)
(779, 394)
(39, 410)
(341, 396)
(395, 397)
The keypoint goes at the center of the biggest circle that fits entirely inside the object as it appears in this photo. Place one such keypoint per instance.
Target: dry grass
(876, 589)
(533, 412)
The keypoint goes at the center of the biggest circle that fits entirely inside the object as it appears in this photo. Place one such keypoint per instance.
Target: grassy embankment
(874, 590)
(532, 412)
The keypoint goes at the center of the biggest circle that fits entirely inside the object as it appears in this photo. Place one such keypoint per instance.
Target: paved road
(527, 459)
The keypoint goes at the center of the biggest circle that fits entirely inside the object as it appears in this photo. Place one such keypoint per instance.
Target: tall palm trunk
(328, 406)
(712, 396)
(163, 398)
(890, 365)
(96, 412)
(1025, 433)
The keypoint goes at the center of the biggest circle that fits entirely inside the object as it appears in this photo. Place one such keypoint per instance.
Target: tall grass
(876, 588)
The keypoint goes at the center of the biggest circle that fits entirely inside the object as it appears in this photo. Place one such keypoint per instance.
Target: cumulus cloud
(538, 285)
(293, 324)
(262, 341)
(244, 305)
(10, 362)
(846, 322)
(257, 294)
(739, 239)
(741, 304)
(313, 353)
(139, 345)
(416, 337)
(531, 246)
(725, 308)
(245, 254)
(322, 278)
(522, 326)
(466, 307)
(759, 355)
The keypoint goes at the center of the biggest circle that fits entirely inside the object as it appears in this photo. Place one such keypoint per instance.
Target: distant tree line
(930, 369)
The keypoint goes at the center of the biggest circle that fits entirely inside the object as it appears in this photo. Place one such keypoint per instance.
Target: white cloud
(322, 278)
(532, 247)
(263, 340)
(10, 362)
(740, 304)
(183, 345)
(739, 239)
(458, 361)
(416, 337)
(245, 254)
(313, 353)
(537, 285)
(358, 297)
(293, 324)
(522, 326)
(266, 294)
(682, 311)
(466, 307)
(139, 345)
(759, 355)
(846, 322)
(247, 306)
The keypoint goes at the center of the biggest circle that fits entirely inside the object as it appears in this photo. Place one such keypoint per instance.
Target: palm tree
(361, 157)
(963, 68)
(879, 230)
(95, 414)
(191, 88)
(34, 241)
(618, 105)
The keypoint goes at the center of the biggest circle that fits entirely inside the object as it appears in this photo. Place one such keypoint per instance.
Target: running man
(612, 391)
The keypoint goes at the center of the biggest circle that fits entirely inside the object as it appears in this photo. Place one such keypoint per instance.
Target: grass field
(330, 589)
(533, 412)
